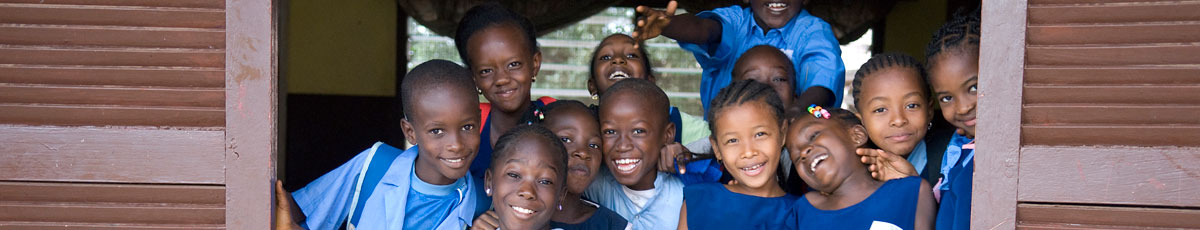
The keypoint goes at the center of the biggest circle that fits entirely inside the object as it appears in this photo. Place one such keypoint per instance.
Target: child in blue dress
(953, 63)
(427, 186)
(748, 132)
(719, 37)
(845, 196)
(527, 178)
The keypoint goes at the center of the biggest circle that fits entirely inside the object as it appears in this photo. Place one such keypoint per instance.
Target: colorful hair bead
(818, 112)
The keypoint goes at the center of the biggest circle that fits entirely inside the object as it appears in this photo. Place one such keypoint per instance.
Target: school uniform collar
(397, 180)
(758, 30)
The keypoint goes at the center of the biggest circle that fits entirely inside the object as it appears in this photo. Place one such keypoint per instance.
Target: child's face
(895, 109)
(748, 140)
(444, 125)
(770, 70)
(954, 79)
(616, 59)
(823, 150)
(580, 133)
(526, 187)
(503, 65)
(772, 14)
(633, 134)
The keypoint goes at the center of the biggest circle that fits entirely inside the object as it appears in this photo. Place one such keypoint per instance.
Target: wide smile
(626, 165)
(457, 162)
(777, 7)
(754, 169)
(522, 213)
(618, 75)
(816, 161)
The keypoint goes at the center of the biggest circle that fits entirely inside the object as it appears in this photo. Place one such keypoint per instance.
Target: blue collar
(758, 30)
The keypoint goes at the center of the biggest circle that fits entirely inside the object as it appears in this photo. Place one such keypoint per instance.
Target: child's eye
(813, 137)
(565, 139)
(972, 89)
(639, 131)
(436, 131)
(513, 175)
(760, 134)
(609, 132)
(468, 127)
(731, 141)
(594, 146)
(912, 106)
(485, 71)
(605, 58)
(778, 79)
(879, 110)
(545, 182)
(514, 64)
(631, 56)
(946, 99)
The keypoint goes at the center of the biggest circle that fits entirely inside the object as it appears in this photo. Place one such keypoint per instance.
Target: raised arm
(684, 27)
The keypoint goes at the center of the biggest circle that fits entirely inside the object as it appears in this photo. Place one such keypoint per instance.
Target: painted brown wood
(251, 110)
(1156, 176)
(1164, 32)
(1001, 63)
(111, 15)
(1131, 135)
(92, 115)
(212, 195)
(1153, 54)
(104, 226)
(136, 96)
(1128, 94)
(112, 155)
(1086, 114)
(1113, 75)
(211, 4)
(1061, 216)
(93, 36)
(39, 55)
(1149, 11)
(1046, 2)
(113, 76)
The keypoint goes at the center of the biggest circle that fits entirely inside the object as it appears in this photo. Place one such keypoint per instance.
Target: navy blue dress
(602, 219)
(712, 206)
(892, 206)
(955, 209)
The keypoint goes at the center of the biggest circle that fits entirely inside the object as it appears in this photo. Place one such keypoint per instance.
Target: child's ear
(591, 86)
(716, 150)
(537, 62)
(858, 133)
(407, 128)
(783, 131)
(487, 182)
(669, 133)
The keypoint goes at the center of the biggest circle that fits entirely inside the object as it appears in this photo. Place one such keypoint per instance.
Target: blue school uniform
(483, 156)
(892, 206)
(712, 206)
(398, 201)
(602, 219)
(806, 40)
(661, 210)
(954, 212)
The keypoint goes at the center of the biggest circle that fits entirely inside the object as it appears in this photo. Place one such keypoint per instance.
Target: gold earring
(595, 97)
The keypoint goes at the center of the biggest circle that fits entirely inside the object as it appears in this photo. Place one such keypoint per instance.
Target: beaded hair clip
(818, 112)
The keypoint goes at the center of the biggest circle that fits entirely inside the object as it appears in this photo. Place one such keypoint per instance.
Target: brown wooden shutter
(113, 114)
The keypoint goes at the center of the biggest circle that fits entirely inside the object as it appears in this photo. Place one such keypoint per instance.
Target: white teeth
(627, 161)
(618, 75)
(752, 167)
(455, 160)
(813, 165)
(777, 6)
(522, 210)
(626, 164)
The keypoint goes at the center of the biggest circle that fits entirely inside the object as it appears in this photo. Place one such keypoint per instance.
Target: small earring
(595, 97)
(534, 79)
(488, 191)
(480, 91)
(930, 126)
(560, 207)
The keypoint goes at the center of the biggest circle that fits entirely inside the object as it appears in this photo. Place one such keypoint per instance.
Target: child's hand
(283, 209)
(668, 156)
(885, 166)
(653, 23)
(486, 221)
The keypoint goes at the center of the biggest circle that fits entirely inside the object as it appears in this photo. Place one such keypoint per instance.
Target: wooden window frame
(1002, 70)
(251, 113)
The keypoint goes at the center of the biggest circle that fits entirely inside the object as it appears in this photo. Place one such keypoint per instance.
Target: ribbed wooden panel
(1057, 216)
(113, 63)
(47, 205)
(1112, 73)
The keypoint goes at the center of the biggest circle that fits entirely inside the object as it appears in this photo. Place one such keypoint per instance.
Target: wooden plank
(112, 213)
(81, 115)
(92, 95)
(111, 16)
(213, 195)
(1167, 32)
(112, 57)
(210, 4)
(1049, 2)
(113, 76)
(252, 103)
(1058, 216)
(1001, 62)
(1119, 175)
(1085, 114)
(1113, 75)
(103, 226)
(74, 36)
(1131, 135)
(112, 155)
(1129, 94)
(1158, 54)
(1115, 12)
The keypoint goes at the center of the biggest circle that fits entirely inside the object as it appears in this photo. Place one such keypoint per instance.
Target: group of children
(770, 152)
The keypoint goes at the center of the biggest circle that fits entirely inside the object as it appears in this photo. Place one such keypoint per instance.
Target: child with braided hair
(953, 64)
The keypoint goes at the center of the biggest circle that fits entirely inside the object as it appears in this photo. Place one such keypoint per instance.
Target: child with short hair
(718, 37)
(747, 122)
(891, 93)
(822, 145)
(527, 178)
(427, 186)
(953, 63)
(768, 65)
(634, 130)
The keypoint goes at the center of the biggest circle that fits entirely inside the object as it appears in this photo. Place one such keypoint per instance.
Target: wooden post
(251, 79)
(1001, 78)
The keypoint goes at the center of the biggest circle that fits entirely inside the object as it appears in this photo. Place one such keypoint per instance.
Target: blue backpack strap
(678, 120)
(378, 161)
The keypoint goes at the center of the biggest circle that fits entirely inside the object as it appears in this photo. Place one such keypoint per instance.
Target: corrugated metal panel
(1112, 73)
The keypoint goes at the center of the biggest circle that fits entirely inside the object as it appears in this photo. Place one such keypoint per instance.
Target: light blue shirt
(954, 151)
(806, 40)
(326, 201)
(918, 157)
(661, 211)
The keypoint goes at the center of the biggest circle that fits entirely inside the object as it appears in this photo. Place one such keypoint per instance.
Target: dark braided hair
(641, 48)
(884, 61)
(507, 144)
(488, 15)
(555, 108)
(740, 92)
(960, 34)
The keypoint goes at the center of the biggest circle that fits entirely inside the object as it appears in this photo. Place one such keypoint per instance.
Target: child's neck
(771, 189)
(503, 121)
(574, 210)
(429, 174)
(853, 190)
(646, 183)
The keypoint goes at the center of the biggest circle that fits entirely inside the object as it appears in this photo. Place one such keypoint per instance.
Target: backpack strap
(379, 159)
